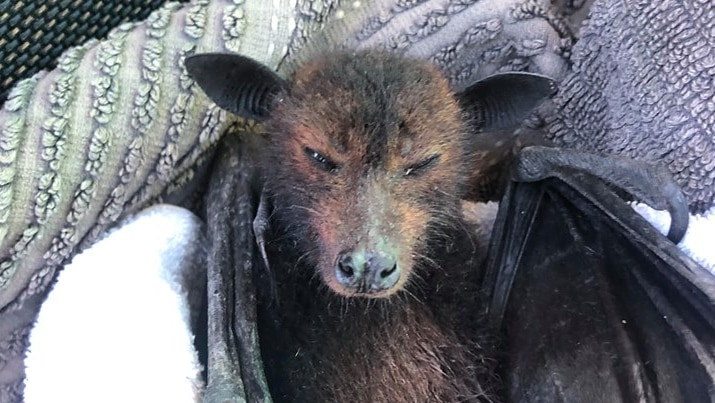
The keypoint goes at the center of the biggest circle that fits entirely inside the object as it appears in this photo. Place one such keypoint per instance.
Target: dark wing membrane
(234, 368)
(594, 304)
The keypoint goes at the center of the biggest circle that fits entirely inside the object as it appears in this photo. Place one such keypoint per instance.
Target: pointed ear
(237, 83)
(505, 99)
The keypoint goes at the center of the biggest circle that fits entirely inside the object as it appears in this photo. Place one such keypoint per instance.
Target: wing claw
(647, 182)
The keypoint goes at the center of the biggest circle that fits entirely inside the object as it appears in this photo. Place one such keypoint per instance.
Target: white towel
(116, 326)
(697, 242)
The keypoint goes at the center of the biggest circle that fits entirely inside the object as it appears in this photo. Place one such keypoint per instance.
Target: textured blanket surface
(643, 86)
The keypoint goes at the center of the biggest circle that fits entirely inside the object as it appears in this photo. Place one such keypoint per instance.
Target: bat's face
(369, 154)
(367, 164)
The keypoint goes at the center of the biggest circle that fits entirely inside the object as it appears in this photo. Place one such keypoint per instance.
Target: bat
(342, 266)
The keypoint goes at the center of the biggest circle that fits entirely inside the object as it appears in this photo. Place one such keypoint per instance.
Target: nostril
(346, 269)
(385, 273)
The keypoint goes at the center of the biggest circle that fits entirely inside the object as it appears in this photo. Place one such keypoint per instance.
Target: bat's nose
(366, 272)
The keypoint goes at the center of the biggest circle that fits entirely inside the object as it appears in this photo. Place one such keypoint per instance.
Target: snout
(369, 273)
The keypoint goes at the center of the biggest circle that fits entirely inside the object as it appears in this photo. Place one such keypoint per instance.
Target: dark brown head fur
(394, 141)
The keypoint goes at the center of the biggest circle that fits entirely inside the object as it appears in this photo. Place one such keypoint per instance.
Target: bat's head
(369, 155)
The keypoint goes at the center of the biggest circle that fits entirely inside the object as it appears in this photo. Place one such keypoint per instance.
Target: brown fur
(374, 115)
(427, 345)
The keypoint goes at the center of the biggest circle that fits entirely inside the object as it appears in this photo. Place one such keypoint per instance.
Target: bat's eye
(321, 161)
(420, 167)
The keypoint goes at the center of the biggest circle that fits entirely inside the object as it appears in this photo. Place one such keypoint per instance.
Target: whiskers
(305, 208)
(405, 295)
